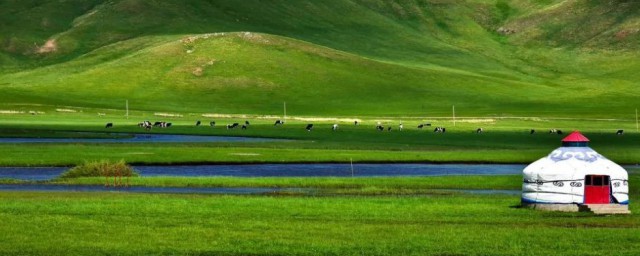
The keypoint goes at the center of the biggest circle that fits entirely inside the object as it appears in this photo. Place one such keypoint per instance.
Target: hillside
(372, 57)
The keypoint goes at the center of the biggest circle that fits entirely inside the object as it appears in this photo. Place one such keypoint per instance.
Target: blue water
(140, 138)
(286, 170)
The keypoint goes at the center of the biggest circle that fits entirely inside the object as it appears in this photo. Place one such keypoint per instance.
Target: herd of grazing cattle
(379, 127)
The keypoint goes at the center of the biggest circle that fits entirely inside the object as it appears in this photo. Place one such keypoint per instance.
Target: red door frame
(597, 189)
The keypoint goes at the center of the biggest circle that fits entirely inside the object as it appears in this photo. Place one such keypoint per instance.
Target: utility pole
(454, 115)
(351, 167)
(127, 106)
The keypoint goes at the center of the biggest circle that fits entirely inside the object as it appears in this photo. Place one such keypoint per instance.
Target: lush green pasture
(454, 224)
(503, 140)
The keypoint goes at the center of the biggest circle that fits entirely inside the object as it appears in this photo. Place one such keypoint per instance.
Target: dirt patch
(623, 34)
(198, 71)
(50, 46)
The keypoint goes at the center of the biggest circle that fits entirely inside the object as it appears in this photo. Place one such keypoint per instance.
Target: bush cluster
(99, 169)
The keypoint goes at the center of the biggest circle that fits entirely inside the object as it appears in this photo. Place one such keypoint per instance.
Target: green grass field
(69, 67)
(403, 218)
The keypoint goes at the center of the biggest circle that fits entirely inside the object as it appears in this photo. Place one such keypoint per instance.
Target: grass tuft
(99, 169)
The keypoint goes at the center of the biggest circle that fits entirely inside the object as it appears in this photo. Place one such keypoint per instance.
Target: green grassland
(325, 58)
(403, 218)
(503, 140)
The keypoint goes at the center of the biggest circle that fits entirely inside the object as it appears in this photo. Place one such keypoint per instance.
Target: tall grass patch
(100, 169)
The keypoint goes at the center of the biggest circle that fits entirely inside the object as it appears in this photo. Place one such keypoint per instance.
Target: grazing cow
(619, 132)
(479, 130)
(244, 127)
(334, 127)
(278, 122)
(440, 129)
(389, 128)
(355, 122)
(420, 126)
(109, 125)
(380, 128)
(400, 127)
(167, 125)
(198, 123)
(246, 122)
(212, 123)
(427, 124)
(553, 131)
(157, 124)
(559, 131)
(309, 127)
(231, 126)
(532, 131)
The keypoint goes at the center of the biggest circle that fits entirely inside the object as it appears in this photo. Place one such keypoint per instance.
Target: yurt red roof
(575, 136)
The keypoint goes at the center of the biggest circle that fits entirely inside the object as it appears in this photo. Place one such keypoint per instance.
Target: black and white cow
(198, 123)
(334, 127)
(109, 125)
(532, 131)
(379, 127)
(278, 122)
(619, 132)
(309, 127)
(246, 122)
(479, 130)
(244, 127)
(212, 123)
(355, 122)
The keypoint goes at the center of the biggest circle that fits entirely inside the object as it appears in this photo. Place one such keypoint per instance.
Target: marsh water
(286, 170)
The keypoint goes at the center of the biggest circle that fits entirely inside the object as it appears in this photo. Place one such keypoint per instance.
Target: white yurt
(575, 177)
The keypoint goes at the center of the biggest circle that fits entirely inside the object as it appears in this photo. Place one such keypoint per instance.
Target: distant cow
(420, 126)
(278, 122)
(231, 126)
(479, 130)
(109, 125)
(556, 131)
(389, 128)
(309, 127)
(334, 127)
(355, 122)
(167, 125)
(619, 132)
(379, 127)
(157, 124)
(198, 123)
(212, 123)
(246, 122)
(244, 127)
(400, 127)
(532, 131)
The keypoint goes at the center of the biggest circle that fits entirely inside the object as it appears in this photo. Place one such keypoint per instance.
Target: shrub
(99, 169)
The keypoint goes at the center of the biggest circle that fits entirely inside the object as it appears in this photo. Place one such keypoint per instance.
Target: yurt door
(596, 189)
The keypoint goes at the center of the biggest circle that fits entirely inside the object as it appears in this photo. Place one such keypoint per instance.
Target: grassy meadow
(68, 67)
(373, 216)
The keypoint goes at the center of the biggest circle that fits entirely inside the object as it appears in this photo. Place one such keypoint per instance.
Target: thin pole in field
(127, 106)
(454, 115)
(351, 167)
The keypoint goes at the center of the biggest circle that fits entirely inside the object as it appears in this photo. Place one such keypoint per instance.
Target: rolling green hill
(329, 57)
